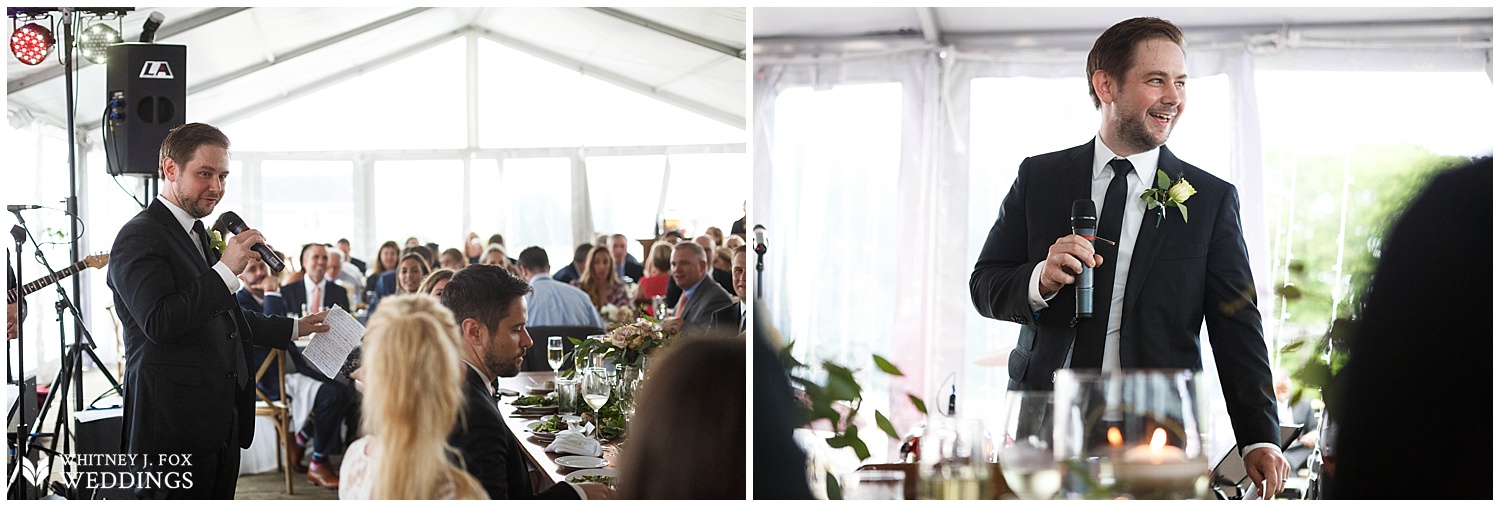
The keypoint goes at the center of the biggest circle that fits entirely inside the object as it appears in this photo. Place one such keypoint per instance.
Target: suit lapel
(183, 240)
(1148, 242)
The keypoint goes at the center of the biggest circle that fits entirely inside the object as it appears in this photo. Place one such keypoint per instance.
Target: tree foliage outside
(1308, 208)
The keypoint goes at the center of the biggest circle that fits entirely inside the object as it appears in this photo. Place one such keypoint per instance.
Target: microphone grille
(1084, 208)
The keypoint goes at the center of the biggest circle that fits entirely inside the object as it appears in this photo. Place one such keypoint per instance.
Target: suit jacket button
(234, 335)
(1054, 377)
(229, 374)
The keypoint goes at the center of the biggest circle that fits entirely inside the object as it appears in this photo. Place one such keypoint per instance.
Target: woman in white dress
(413, 391)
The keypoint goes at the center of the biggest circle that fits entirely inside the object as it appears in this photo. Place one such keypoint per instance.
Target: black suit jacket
(183, 332)
(295, 295)
(1181, 274)
(633, 269)
(359, 264)
(489, 449)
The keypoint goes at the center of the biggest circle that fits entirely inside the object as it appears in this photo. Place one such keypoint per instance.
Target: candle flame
(1114, 437)
(1158, 440)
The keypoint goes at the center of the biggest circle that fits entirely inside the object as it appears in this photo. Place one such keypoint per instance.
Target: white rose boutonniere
(1168, 193)
(216, 240)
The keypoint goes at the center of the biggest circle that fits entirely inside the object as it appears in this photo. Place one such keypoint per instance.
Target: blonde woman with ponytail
(413, 393)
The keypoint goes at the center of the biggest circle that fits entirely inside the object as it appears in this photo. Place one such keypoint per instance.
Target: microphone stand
(26, 394)
(760, 265)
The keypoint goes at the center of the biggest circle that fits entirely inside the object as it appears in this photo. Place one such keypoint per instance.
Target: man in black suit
(487, 303)
(574, 271)
(732, 315)
(188, 392)
(1166, 276)
(359, 265)
(625, 263)
(700, 294)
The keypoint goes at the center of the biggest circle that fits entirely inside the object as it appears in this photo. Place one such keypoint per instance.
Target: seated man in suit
(700, 294)
(628, 266)
(572, 271)
(336, 272)
(260, 292)
(359, 266)
(487, 303)
(337, 404)
(732, 315)
(1292, 414)
(710, 249)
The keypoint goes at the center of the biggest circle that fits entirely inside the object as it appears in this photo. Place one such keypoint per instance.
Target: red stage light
(31, 43)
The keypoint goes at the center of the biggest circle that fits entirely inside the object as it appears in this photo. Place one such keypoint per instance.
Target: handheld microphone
(1085, 223)
(760, 239)
(148, 31)
(236, 225)
(18, 207)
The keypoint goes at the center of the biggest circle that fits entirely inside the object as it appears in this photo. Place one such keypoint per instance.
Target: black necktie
(1088, 348)
(203, 242)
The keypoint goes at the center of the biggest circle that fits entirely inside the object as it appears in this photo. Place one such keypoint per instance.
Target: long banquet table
(536, 450)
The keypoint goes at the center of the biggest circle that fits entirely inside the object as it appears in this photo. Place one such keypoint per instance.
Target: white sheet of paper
(328, 350)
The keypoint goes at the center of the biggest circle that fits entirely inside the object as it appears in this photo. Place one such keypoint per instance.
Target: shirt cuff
(230, 280)
(1252, 447)
(1034, 289)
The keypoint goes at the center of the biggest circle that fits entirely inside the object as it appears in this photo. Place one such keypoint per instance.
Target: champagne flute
(1026, 450)
(555, 353)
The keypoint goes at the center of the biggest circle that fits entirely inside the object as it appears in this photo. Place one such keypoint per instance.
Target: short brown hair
(183, 142)
(1114, 50)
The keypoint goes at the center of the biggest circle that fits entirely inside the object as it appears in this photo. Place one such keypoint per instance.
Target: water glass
(569, 398)
(875, 485)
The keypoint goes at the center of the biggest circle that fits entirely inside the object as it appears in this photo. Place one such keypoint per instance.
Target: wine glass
(1026, 450)
(596, 388)
(555, 353)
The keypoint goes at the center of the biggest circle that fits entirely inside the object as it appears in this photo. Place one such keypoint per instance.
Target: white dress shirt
(186, 221)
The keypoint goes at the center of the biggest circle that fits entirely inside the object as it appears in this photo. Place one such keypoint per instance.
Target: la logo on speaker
(156, 70)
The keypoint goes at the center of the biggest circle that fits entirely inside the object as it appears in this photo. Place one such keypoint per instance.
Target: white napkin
(575, 440)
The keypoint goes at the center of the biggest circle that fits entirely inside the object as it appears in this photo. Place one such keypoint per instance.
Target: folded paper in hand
(576, 441)
(329, 350)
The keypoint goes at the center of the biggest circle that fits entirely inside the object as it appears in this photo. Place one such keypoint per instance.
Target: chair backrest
(275, 365)
(536, 357)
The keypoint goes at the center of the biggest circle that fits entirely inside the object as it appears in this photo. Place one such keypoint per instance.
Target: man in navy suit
(1165, 277)
(189, 401)
(625, 264)
(337, 403)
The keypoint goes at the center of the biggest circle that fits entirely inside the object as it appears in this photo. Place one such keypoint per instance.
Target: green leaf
(1161, 179)
(1289, 291)
(834, 491)
(917, 402)
(886, 426)
(1183, 208)
(860, 449)
(1315, 374)
(886, 366)
(1293, 346)
(1296, 267)
(841, 383)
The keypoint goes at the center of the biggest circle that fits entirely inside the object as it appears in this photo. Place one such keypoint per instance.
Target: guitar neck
(12, 295)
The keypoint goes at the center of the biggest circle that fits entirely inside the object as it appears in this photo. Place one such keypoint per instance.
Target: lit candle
(1158, 470)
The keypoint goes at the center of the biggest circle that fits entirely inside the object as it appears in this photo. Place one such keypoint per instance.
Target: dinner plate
(546, 436)
(593, 471)
(581, 462)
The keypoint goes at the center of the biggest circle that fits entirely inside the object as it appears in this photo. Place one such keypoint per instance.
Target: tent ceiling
(244, 60)
(977, 24)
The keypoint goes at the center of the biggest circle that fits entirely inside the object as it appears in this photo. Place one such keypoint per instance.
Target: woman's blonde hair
(413, 394)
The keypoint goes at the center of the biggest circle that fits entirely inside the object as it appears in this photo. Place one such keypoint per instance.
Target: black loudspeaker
(146, 97)
(99, 433)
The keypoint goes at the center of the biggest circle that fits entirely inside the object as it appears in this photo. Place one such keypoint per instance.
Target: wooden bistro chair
(279, 409)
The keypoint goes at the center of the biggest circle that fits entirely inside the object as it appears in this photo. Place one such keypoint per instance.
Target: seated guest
(722, 258)
(570, 272)
(487, 304)
(732, 315)
(717, 234)
(722, 276)
(700, 295)
(343, 277)
(384, 262)
(497, 239)
(696, 395)
(1292, 414)
(625, 264)
(358, 266)
(734, 242)
(494, 255)
(553, 303)
(314, 291)
(413, 241)
(453, 259)
(602, 282)
(658, 265)
(406, 278)
(260, 292)
(415, 377)
(432, 255)
(472, 248)
(434, 283)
